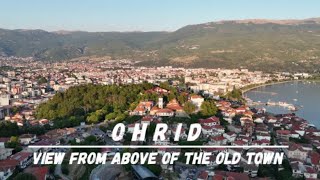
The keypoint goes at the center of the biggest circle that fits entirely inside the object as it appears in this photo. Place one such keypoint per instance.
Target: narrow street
(106, 172)
(58, 172)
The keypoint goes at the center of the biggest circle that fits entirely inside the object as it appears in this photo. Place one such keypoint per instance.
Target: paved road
(58, 172)
(105, 172)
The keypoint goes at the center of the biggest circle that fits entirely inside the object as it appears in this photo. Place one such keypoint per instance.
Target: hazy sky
(143, 15)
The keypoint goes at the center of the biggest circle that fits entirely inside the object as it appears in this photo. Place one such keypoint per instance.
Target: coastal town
(212, 97)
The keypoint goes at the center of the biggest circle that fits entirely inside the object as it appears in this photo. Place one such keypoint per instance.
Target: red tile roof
(26, 136)
(206, 127)
(38, 172)
(131, 125)
(8, 164)
(146, 118)
(196, 97)
(315, 158)
(233, 175)
(241, 109)
(4, 139)
(294, 147)
(20, 156)
(203, 175)
(217, 177)
(231, 133)
(174, 105)
(46, 142)
(218, 127)
(218, 138)
(310, 170)
(209, 120)
(165, 110)
(239, 142)
(283, 132)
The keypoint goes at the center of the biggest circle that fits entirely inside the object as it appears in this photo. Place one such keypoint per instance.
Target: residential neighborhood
(176, 95)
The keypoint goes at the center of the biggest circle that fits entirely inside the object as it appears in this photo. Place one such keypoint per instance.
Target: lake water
(305, 95)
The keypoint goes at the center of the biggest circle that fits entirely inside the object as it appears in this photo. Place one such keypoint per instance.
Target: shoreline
(281, 82)
(274, 83)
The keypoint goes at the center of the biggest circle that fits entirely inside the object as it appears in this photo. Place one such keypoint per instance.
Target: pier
(289, 106)
(265, 92)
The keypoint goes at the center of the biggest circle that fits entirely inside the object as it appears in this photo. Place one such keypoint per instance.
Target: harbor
(300, 97)
(288, 106)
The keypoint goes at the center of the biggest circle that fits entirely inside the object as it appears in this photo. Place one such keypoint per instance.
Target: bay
(305, 95)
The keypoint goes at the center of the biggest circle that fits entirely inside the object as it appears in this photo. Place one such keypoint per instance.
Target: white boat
(283, 104)
(292, 108)
(311, 125)
(271, 103)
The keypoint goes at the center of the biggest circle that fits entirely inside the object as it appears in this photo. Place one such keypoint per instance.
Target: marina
(289, 106)
(299, 97)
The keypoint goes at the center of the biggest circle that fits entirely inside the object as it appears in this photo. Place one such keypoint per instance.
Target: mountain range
(258, 44)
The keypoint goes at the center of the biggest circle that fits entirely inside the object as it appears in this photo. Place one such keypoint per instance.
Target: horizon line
(156, 146)
(163, 30)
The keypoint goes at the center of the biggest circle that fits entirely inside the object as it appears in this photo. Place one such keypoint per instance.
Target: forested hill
(256, 44)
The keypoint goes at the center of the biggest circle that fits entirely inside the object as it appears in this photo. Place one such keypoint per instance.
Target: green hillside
(260, 45)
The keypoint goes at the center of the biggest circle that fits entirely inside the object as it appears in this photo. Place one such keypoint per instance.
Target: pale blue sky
(143, 15)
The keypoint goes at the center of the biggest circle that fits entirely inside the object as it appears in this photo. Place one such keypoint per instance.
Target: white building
(5, 153)
(26, 139)
(160, 103)
(4, 99)
(197, 100)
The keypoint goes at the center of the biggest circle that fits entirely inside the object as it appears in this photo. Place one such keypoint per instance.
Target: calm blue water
(307, 97)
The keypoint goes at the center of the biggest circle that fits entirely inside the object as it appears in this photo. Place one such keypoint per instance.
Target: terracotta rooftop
(8, 164)
(38, 172)
(20, 156)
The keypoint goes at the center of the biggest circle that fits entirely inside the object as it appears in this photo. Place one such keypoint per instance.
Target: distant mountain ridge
(281, 21)
(259, 44)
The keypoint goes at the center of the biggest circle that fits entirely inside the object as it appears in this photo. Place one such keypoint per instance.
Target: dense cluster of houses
(219, 81)
(11, 162)
(163, 109)
(303, 154)
(23, 160)
(238, 124)
(246, 126)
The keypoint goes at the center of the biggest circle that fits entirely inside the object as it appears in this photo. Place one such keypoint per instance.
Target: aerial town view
(252, 83)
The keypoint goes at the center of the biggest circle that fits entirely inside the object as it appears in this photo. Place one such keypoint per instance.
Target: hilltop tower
(160, 102)
(8, 87)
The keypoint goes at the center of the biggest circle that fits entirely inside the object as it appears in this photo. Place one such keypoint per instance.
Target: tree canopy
(94, 101)
(25, 176)
(235, 94)
(189, 107)
(208, 108)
